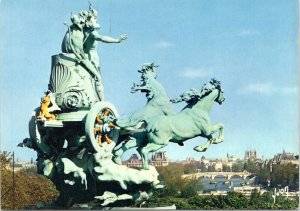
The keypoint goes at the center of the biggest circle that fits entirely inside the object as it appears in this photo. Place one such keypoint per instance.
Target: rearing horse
(191, 122)
(158, 103)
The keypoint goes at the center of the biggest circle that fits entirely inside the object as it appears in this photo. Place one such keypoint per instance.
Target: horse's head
(148, 70)
(193, 96)
(221, 98)
(217, 85)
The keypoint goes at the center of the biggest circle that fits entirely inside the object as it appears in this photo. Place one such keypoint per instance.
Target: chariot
(82, 118)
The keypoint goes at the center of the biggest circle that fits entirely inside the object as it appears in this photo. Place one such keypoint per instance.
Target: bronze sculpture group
(89, 169)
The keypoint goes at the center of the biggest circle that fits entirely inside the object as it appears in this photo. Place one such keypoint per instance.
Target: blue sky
(250, 45)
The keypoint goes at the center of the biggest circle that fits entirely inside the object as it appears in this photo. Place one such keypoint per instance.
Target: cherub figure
(46, 102)
(102, 127)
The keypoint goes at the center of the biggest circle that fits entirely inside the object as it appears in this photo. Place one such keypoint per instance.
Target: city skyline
(251, 46)
(128, 155)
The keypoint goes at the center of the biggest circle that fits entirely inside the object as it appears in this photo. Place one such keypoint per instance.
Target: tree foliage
(263, 176)
(232, 200)
(176, 185)
(237, 167)
(181, 192)
(226, 168)
(285, 175)
(251, 167)
(29, 186)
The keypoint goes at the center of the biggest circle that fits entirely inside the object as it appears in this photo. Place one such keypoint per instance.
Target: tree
(232, 200)
(190, 188)
(251, 167)
(175, 184)
(267, 196)
(171, 175)
(29, 186)
(263, 176)
(285, 175)
(237, 167)
(211, 169)
(190, 168)
(202, 167)
(255, 196)
(226, 168)
(236, 200)
(5, 158)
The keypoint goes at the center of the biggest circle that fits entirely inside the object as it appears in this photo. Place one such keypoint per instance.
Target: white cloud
(248, 33)
(193, 73)
(163, 44)
(290, 90)
(267, 89)
(258, 88)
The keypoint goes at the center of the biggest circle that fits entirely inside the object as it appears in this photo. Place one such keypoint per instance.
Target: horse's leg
(144, 151)
(204, 147)
(218, 127)
(129, 143)
(210, 139)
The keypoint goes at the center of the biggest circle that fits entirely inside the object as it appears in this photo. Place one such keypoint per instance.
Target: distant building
(133, 161)
(285, 157)
(218, 166)
(189, 160)
(159, 159)
(231, 158)
(246, 190)
(250, 155)
(21, 165)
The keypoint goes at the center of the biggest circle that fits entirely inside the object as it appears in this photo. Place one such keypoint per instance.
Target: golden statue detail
(98, 130)
(44, 108)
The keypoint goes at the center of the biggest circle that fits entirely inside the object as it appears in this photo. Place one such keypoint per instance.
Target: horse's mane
(148, 68)
(193, 95)
(208, 88)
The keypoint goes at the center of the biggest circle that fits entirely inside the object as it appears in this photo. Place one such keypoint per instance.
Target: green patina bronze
(89, 169)
(160, 127)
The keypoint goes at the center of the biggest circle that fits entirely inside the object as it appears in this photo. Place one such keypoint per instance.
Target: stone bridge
(212, 175)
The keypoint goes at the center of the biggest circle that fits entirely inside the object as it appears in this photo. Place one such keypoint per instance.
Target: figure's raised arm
(108, 39)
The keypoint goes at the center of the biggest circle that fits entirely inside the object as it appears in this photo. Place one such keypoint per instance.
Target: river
(222, 184)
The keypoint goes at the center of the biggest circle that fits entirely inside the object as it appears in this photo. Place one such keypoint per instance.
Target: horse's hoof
(117, 160)
(217, 140)
(180, 143)
(200, 149)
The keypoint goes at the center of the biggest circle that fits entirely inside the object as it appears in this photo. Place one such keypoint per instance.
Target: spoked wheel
(99, 126)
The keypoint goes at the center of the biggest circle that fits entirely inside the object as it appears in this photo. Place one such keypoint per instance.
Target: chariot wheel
(99, 127)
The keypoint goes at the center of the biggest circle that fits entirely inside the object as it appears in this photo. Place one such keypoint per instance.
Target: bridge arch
(235, 175)
(219, 175)
(212, 175)
(206, 176)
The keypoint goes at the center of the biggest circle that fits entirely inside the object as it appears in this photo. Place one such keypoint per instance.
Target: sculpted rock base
(82, 177)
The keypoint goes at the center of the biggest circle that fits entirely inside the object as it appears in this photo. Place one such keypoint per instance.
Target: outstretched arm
(108, 39)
